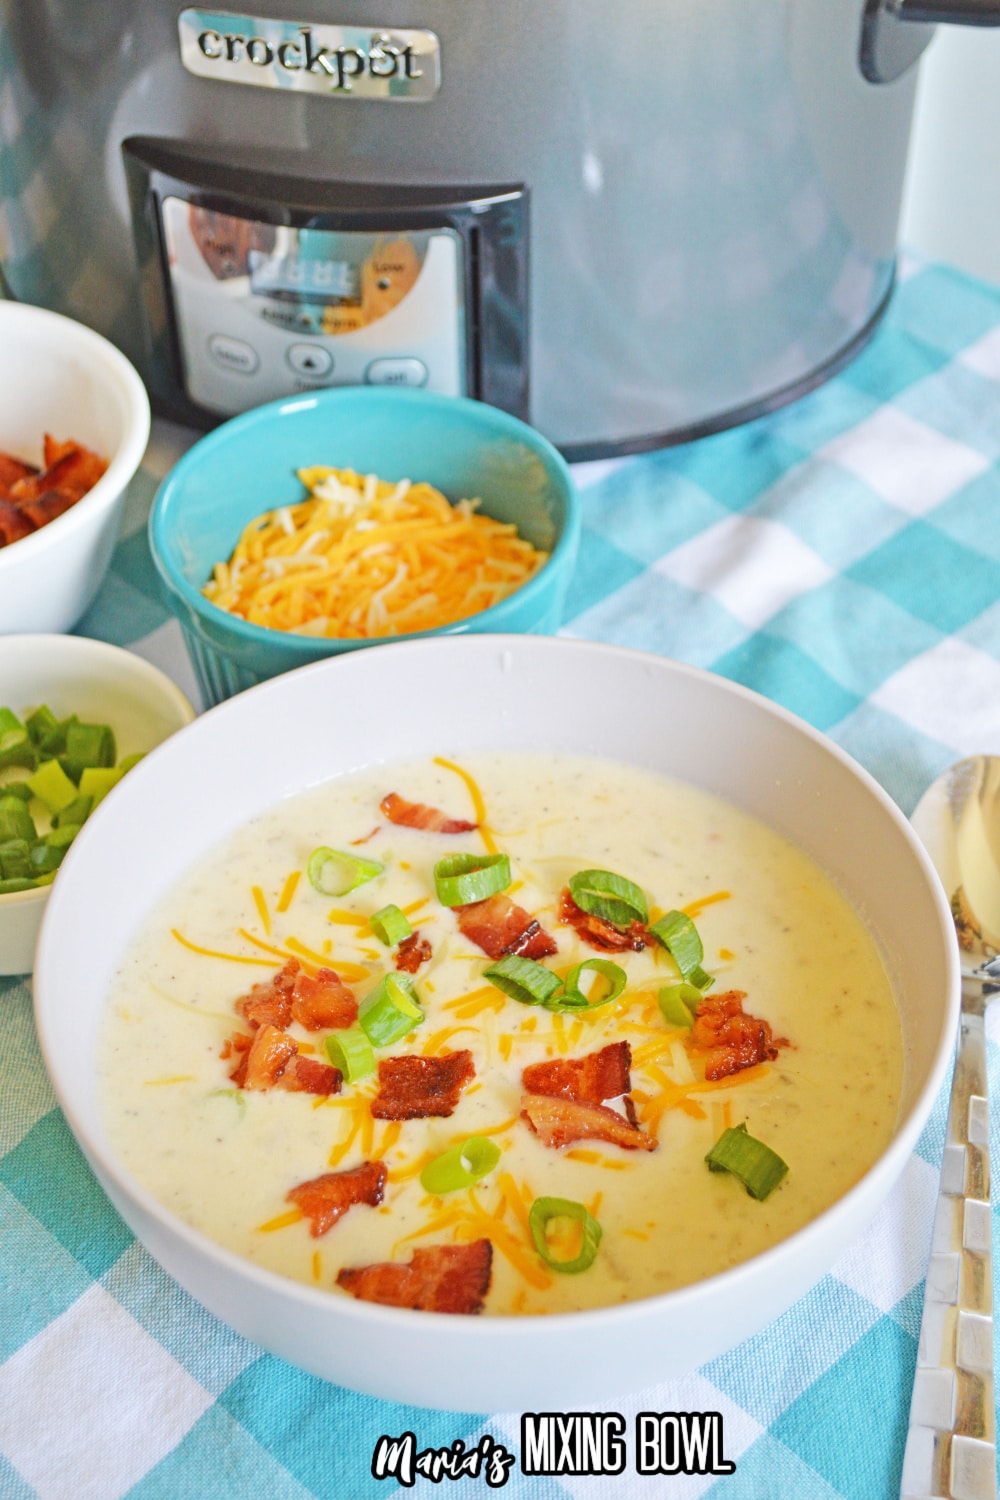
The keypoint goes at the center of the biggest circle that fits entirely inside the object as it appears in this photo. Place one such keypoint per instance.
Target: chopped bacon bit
(304, 1075)
(30, 498)
(410, 1087)
(439, 1278)
(11, 470)
(599, 933)
(266, 1060)
(587, 1080)
(14, 524)
(323, 1200)
(730, 1040)
(238, 1042)
(412, 952)
(272, 1061)
(499, 927)
(557, 1122)
(419, 815)
(322, 1001)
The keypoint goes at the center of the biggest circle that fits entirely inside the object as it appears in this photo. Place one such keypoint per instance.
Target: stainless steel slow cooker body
(709, 190)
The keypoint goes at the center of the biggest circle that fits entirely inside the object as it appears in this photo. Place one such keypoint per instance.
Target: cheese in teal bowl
(248, 468)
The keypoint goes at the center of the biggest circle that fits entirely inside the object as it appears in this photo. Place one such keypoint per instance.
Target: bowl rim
(311, 648)
(102, 354)
(879, 1177)
(89, 649)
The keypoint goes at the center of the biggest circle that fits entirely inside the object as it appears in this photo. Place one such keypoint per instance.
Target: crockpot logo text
(337, 61)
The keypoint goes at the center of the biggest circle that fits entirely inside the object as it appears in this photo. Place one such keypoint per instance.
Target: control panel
(261, 282)
(266, 310)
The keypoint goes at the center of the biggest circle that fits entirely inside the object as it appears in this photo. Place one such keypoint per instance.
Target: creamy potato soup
(785, 1031)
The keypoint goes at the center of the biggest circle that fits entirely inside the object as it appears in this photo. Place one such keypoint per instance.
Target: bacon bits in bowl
(488, 1032)
(319, 525)
(74, 422)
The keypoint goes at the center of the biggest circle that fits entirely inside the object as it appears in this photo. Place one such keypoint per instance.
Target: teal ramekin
(248, 465)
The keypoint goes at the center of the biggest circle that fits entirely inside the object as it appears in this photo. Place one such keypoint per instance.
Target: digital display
(303, 278)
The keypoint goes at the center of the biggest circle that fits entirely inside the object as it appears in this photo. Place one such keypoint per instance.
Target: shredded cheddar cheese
(360, 558)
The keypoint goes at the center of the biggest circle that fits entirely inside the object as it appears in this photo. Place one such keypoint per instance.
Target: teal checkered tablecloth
(841, 556)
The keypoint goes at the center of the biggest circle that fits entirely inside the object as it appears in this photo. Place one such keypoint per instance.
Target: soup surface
(821, 1090)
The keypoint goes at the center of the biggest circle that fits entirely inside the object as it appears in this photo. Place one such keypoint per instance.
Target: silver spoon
(951, 1442)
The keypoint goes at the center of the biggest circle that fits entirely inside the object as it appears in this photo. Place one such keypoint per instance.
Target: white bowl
(57, 376)
(468, 694)
(104, 685)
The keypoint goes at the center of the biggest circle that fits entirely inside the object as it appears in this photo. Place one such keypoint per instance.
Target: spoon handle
(951, 1443)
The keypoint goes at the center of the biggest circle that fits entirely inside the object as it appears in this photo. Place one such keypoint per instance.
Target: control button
(396, 372)
(309, 359)
(233, 354)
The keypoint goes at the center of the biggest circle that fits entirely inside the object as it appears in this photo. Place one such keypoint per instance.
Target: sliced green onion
(758, 1167)
(90, 745)
(389, 925)
(16, 789)
(523, 979)
(543, 1212)
(42, 725)
(16, 821)
(51, 785)
(16, 748)
(77, 812)
(573, 997)
(128, 761)
(334, 873)
(17, 883)
(48, 853)
(351, 1052)
(604, 894)
(462, 878)
(460, 1167)
(390, 1011)
(97, 781)
(679, 936)
(678, 1003)
(15, 859)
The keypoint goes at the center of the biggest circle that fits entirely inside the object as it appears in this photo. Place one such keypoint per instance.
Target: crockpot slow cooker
(631, 224)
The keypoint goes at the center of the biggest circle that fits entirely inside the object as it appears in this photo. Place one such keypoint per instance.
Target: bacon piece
(238, 1042)
(11, 470)
(265, 1061)
(14, 524)
(47, 506)
(730, 1040)
(419, 815)
(325, 1199)
(412, 952)
(412, 1087)
(439, 1278)
(323, 1000)
(557, 1122)
(272, 1061)
(587, 1080)
(315, 1002)
(602, 934)
(75, 471)
(304, 1075)
(499, 927)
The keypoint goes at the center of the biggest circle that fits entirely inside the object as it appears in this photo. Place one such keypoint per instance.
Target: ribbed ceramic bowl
(57, 376)
(459, 696)
(248, 465)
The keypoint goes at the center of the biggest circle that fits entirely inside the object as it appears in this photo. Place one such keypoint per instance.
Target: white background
(951, 207)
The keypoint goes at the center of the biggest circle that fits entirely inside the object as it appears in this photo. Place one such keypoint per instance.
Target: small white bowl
(104, 685)
(474, 693)
(58, 376)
